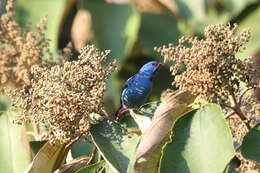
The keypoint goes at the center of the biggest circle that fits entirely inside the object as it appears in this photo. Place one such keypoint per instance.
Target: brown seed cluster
(211, 68)
(63, 97)
(20, 48)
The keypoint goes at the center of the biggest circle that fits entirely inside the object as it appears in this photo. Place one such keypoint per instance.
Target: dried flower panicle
(212, 70)
(63, 97)
(20, 48)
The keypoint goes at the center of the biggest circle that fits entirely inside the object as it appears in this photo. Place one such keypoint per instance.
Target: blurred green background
(131, 29)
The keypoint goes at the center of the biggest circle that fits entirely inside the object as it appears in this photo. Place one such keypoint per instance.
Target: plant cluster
(212, 69)
(20, 48)
(62, 97)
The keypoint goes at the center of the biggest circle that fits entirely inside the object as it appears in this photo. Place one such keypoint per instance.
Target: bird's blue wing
(123, 109)
(126, 84)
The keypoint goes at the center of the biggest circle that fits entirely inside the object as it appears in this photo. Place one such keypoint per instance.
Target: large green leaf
(109, 169)
(142, 117)
(81, 148)
(233, 164)
(32, 11)
(148, 153)
(234, 7)
(4, 104)
(250, 148)
(14, 157)
(198, 14)
(92, 168)
(115, 27)
(115, 144)
(201, 143)
(48, 159)
(36, 146)
(195, 9)
(251, 22)
(158, 30)
(148, 109)
(2, 6)
(197, 26)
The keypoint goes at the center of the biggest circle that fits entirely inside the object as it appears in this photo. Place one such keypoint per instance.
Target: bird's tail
(120, 112)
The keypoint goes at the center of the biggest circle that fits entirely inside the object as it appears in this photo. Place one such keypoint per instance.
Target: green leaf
(81, 148)
(197, 26)
(115, 144)
(172, 106)
(48, 159)
(250, 22)
(158, 30)
(2, 6)
(145, 111)
(115, 27)
(250, 147)
(14, 157)
(4, 104)
(195, 9)
(92, 168)
(233, 164)
(235, 7)
(109, 169)
(143, 116)
(32, 11)
(36, 146)
(201, 143)
(148, 109)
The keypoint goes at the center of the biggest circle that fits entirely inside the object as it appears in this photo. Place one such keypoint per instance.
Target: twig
(227, 106)
(237, 110)
(73, 141)
(243, 93)
(242, 117)
(36, 130)
(230, 114)
(92, 157)
(101, 170)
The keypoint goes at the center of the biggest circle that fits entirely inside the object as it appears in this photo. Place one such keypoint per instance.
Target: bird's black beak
(159, 65)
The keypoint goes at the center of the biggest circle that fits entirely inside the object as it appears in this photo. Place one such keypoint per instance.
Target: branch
(93, 155)
(237, 110)
(230, 114)
(242, 94)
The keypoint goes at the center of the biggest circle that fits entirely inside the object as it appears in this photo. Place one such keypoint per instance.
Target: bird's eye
(154, 64)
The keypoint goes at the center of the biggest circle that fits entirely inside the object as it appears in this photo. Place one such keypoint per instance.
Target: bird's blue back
(137, 88)
(136, 91)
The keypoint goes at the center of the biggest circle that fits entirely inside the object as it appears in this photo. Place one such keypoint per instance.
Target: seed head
(20, 48)
(211, 68)
(62, 97)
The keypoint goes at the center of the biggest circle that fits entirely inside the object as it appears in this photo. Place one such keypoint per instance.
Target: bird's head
(150, 68)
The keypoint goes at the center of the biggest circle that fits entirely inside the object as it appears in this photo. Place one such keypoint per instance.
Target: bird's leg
(120, 113)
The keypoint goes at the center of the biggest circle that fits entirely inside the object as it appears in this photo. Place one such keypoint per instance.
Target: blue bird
(137, 88)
